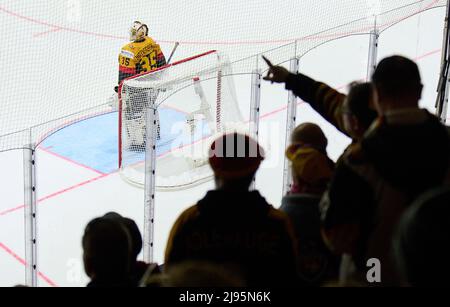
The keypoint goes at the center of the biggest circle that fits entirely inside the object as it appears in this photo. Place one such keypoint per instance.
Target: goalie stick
(173, 52)
(157, 93)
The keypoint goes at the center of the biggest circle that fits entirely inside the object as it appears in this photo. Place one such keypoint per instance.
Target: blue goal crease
(94, 142)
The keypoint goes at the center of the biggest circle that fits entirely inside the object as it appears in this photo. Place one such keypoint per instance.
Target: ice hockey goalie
(141, 55)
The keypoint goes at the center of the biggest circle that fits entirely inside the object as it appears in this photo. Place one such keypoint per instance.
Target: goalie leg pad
(136, 132)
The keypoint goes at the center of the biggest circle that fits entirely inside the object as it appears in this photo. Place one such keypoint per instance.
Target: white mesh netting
(196, 101)
(58, 65)
(87, 36)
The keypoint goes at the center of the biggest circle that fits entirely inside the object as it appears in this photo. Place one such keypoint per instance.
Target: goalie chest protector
(139, 57)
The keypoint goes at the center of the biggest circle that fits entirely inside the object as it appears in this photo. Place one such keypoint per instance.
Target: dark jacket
(240, 231)
(109, 283)
(317, 264)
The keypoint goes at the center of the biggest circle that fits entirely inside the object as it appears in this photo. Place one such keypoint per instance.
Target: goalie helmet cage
(195, 100)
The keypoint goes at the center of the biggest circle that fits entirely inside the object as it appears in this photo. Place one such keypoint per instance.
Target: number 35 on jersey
(139, 57)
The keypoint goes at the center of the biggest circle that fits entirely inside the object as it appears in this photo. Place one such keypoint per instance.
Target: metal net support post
(444, 80)
(373, 53)
(255, 103)
(30, 199)
(150, 181)
(290, 126)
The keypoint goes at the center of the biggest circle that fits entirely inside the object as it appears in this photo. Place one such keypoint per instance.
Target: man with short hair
(357, 111)
(234, 227)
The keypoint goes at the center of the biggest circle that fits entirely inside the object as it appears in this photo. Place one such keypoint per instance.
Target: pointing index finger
(267, 61)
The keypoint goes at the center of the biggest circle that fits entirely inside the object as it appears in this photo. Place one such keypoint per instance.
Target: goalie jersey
(140, 57)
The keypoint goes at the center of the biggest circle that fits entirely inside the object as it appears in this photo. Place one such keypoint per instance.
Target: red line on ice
(12, 210)
(282, 41)
(74, 187)
(47, 32)
(23, 262)
(70, 160)
(427, 54)
(79, 185)
(44, 23)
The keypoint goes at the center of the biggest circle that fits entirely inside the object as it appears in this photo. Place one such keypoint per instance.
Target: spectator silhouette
(421, 243)
(233, 227)
(137, 268)
(106, 253)
(311, 171)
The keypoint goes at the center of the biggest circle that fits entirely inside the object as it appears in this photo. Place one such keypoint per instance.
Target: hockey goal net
(195, 101)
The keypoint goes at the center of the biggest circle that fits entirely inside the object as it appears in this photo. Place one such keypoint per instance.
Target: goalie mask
(138, 31)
